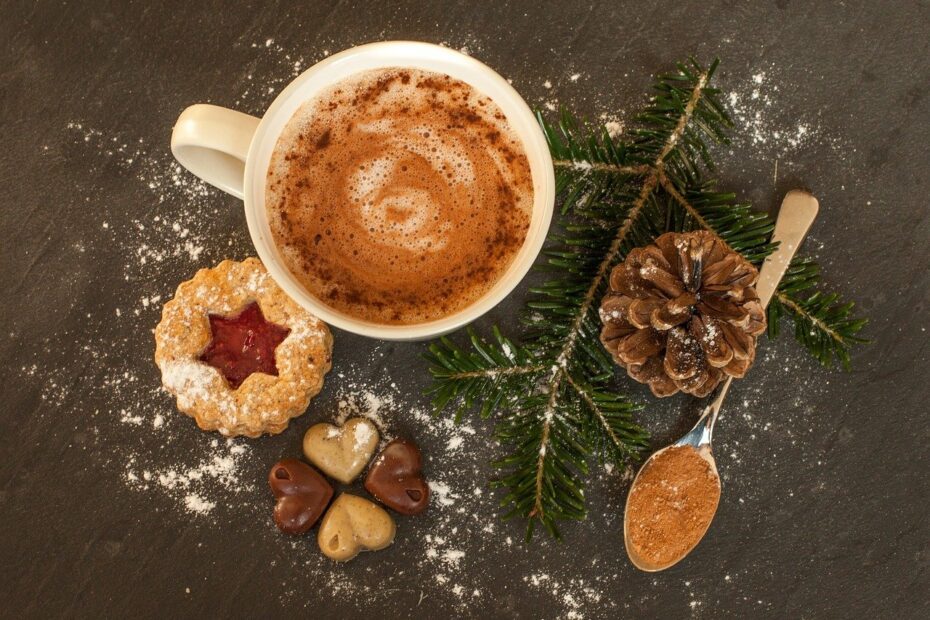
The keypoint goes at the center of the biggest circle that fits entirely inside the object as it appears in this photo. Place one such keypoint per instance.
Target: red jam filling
(242, 344)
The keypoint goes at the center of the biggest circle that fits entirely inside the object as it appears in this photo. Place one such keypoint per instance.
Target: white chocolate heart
(341, 451)
(353, 524)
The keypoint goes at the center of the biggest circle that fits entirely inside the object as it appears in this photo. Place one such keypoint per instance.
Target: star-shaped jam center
(243, 343)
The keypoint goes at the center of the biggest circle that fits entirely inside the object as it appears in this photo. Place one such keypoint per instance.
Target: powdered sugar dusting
(363, 435)
(755, 104)
(132, 433)
(198, 505)
(195, 487)
(752, 108)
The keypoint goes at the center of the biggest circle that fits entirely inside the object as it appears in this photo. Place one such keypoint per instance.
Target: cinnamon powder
(671, 505)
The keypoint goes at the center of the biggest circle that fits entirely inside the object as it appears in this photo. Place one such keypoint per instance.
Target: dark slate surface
(824, 513)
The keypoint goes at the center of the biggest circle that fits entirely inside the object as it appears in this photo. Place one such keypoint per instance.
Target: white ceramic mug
(232, 150)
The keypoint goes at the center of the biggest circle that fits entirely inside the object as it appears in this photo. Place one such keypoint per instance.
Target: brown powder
(670, 505)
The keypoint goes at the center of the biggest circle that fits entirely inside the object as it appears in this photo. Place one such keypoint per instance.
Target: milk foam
(399, 195)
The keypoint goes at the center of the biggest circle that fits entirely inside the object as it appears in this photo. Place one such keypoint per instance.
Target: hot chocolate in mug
(232, 151)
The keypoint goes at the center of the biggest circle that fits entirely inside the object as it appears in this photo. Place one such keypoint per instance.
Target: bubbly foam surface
(399, 196)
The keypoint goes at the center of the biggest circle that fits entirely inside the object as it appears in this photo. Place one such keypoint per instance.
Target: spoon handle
(797, 213)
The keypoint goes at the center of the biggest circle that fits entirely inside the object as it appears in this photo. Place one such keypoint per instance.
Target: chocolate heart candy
(341, 451)
(353, 524)
(396, 478)
(302, 495)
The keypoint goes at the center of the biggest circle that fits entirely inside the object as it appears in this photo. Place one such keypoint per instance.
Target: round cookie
(259, 402)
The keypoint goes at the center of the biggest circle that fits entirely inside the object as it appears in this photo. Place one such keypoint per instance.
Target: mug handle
(212, 142)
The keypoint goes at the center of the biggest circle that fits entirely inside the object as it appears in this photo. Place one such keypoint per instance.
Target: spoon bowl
(704, 451)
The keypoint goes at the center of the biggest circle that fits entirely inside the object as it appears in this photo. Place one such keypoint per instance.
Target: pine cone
(683, 313)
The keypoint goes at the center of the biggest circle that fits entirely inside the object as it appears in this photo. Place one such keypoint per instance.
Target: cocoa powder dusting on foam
(671, 504)
(399, 196)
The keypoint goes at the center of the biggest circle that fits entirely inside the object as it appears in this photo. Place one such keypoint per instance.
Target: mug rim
(537, 154)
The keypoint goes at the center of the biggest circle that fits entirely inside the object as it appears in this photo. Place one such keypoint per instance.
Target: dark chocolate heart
(302, 494)
(396, 478)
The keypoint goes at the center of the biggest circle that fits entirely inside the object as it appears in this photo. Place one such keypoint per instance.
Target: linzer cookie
(241, 357)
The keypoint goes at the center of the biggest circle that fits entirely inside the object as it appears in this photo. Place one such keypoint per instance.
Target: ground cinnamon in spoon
(670, 505)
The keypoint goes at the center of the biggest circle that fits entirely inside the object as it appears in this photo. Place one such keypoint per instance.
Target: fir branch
(591, 165)
(583, 314)
(743, 230)
(556, 422)
(822, 322)
(553, 393)
(618, 438)
(586, 166)
(486, 373)
(685, 118)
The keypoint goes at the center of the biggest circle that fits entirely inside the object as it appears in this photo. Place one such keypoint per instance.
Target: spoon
(797, 213)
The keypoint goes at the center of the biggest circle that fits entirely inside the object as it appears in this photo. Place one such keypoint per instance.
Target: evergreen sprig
(554, 394)
(823, 323)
